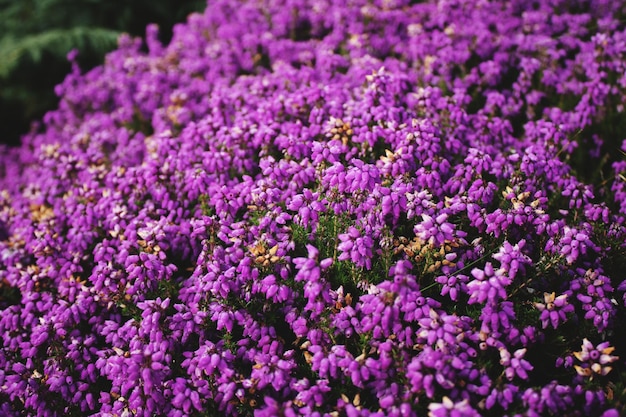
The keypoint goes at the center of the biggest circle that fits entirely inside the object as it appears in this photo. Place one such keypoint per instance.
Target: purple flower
(437, 231)
(554, 309)
(515, 365)
(449, 408)
(489, 284)
(594, 360)
(162, 231)
(356, 248)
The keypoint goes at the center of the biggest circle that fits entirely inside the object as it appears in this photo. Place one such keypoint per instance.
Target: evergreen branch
(57, 42)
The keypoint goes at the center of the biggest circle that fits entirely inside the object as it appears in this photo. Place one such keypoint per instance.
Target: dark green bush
(36, 35)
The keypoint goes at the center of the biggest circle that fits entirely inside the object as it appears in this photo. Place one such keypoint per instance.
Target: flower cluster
(321, 208)
(594, 360)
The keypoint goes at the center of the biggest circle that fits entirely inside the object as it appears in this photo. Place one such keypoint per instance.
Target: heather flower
(356, 247)
(489, 284)
(594, 360)
(503, 397)
(554, 309)
(498, 317)
(593, 290)
(324, 208)
(572, 244)
(512, 259)
(515, 365)
(316, 290)
(449, 408)
(436, 231)
(552, 398)
(308, 206)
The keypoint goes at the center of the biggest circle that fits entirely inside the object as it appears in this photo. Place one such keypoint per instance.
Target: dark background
(36, 35)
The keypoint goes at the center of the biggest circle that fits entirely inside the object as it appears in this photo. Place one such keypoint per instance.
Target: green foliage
(36, 35)
(56, 42)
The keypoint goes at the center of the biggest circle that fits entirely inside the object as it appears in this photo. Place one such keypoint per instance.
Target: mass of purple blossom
(327, 208)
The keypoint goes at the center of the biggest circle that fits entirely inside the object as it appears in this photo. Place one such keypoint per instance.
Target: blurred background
(36, 35)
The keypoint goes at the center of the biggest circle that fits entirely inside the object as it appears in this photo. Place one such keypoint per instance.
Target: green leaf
(57, 42)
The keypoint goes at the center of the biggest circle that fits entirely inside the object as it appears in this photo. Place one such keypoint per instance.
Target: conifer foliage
(36, 35)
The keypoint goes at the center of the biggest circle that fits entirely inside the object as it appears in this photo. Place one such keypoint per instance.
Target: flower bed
(305, 208)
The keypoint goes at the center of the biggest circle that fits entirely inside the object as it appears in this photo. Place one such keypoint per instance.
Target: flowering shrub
(372, 208)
